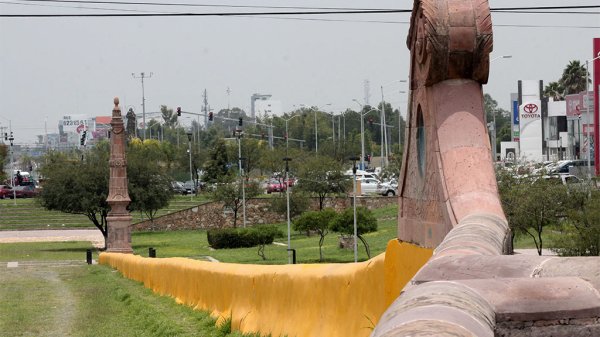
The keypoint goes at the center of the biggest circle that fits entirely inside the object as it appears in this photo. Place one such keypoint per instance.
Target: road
(92, 235)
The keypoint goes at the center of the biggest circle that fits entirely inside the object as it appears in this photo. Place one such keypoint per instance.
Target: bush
(242, 237)
(318, 222)
(299, 202)
(366, 222)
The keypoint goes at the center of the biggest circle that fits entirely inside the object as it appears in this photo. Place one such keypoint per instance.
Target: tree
(318, 222)
(78, 187)
(502, 118)
(3, 158)
(231, 195)
(322, 176)
(532, 203)
(574, 78)
(169, 118)
(299, 202)
(365, 223)
(216, 167)
(149, 185)
(555, 90)
(580, 232)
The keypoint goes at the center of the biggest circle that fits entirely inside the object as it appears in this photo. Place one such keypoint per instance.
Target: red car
(27, 191)
(6, 191)
(275, 185)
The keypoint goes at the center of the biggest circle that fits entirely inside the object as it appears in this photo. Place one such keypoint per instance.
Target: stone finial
(116, 101)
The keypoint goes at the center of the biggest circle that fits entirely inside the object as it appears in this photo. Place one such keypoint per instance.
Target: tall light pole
(354, 208)
(362, 136)
(493, 126)
(12, 166)
(239, 133)
(189, 134)
(384, 125)
(287, 192)
(589, 112)
(287, 135)
(142, 76)
(362, 133)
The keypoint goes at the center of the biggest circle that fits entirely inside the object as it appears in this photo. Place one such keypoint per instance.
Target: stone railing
(258, 211)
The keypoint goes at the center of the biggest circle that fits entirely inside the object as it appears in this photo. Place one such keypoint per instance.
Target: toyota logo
(530, 108)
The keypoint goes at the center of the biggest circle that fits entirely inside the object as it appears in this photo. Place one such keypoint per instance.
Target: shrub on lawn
(317, 221)
(243, 237)
(366, 222)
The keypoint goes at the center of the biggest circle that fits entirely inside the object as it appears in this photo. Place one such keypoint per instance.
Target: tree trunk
(366, 246)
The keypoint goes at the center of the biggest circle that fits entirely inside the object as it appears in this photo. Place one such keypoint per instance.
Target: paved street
(92, 235)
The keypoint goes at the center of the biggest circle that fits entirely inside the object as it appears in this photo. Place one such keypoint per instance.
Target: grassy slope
(28, 214)
(91, 301)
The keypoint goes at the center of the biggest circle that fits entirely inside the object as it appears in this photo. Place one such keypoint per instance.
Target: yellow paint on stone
(294, 300)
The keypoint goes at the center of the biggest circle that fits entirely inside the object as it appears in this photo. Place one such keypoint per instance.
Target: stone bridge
(449, 201)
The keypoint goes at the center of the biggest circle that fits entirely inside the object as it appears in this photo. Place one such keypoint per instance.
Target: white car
(368, 185)
(388, 189)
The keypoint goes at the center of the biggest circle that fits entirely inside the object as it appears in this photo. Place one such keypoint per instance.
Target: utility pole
(142, 76)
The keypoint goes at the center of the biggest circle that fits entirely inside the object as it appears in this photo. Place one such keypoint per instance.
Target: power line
(203, 5)
(296, 7)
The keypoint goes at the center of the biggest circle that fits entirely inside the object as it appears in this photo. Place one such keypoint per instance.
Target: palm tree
(574, 78)
(554, 90)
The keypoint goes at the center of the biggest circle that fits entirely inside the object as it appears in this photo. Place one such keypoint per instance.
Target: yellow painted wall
(294, 300)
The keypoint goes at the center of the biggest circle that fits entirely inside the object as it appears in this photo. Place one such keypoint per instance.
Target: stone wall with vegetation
(258, 211)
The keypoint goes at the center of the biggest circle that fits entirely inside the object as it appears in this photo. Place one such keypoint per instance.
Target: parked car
(26, 191)
(6, 191)
(368, 185)
(178, 187)
(389, 188)
(190, 187)
(276, 185)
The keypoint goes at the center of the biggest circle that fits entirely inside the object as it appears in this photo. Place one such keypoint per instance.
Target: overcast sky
(50, 67)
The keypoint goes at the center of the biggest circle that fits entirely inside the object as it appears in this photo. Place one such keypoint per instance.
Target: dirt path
(92, 235)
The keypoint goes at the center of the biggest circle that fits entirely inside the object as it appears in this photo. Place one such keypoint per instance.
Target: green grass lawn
(81, 300)
(27, 214)
(90, 301)
(194, 244)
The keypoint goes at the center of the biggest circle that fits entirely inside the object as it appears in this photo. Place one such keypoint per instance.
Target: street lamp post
(287, 192)
(12, 166)
(239, 134)
(383, 125)
(493, 126)
(287, 136)
(362, 136)
(362, 133)
(142, 76)
(354, 207)
(189, 134)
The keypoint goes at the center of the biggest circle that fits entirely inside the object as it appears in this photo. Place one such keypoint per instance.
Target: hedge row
(242, 237)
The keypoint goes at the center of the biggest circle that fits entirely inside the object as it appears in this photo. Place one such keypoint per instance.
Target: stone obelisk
(118, 219)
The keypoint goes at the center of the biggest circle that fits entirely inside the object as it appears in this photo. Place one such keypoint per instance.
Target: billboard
(76, 123)
(530, 119)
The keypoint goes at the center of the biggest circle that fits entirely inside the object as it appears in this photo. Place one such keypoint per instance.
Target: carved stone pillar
(118, 219)
(447, 173)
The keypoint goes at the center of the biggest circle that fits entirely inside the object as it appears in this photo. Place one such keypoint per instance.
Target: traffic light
(241, 121)
(179, 111)
(210, 116)
(370, 121)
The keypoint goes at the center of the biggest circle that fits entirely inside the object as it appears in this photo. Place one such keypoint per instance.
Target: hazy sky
(50, 67)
